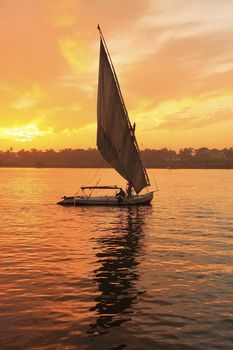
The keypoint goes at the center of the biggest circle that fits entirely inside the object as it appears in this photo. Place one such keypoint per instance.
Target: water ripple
(155, 277)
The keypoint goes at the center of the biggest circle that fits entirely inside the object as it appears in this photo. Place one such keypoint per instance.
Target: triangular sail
(115, 135)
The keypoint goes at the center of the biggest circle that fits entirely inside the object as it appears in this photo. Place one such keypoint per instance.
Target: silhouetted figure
(121, 193)
(129, 189)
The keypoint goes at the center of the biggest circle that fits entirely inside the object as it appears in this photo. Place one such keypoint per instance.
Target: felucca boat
(116, 142)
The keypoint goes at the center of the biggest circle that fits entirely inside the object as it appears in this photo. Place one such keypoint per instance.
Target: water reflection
(119, 253)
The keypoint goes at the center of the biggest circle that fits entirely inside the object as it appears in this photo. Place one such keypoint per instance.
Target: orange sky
(174, 60)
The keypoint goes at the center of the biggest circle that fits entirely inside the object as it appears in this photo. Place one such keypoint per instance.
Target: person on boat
(121, 193)
(129, 189)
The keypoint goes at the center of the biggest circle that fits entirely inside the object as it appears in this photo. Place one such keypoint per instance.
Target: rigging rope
(156, 185)
(83, 184)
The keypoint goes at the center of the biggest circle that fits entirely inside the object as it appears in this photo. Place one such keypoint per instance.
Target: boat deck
(108, 200)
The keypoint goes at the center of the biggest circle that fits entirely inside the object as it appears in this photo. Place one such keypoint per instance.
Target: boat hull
(143, 199)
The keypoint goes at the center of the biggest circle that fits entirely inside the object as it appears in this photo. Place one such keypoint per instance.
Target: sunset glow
(23, 134)
(173, 60)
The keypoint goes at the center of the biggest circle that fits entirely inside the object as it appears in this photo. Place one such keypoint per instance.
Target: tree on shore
(163, 158)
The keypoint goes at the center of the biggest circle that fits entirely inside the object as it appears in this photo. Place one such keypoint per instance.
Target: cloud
(24, 133)
(183, 67)
(75, 53)
(60, 14)
(23, 103)
(186, 12)
(186, 119)
(85, 84)
(182, 122)
(174, 64)
(28, 99)
(183, 114)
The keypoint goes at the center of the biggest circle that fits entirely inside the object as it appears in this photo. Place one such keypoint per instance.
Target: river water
(157, 277)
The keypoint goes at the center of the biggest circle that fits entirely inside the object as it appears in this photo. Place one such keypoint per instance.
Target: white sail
(115, 135)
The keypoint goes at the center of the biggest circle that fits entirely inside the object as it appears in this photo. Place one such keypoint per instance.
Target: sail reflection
(118, 254)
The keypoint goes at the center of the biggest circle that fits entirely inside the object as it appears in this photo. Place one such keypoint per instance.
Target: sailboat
(116, 142)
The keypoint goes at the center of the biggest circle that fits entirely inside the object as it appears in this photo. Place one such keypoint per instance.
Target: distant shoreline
(105, 167)
(185, 158)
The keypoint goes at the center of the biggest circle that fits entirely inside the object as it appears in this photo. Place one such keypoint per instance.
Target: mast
(131, 129)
